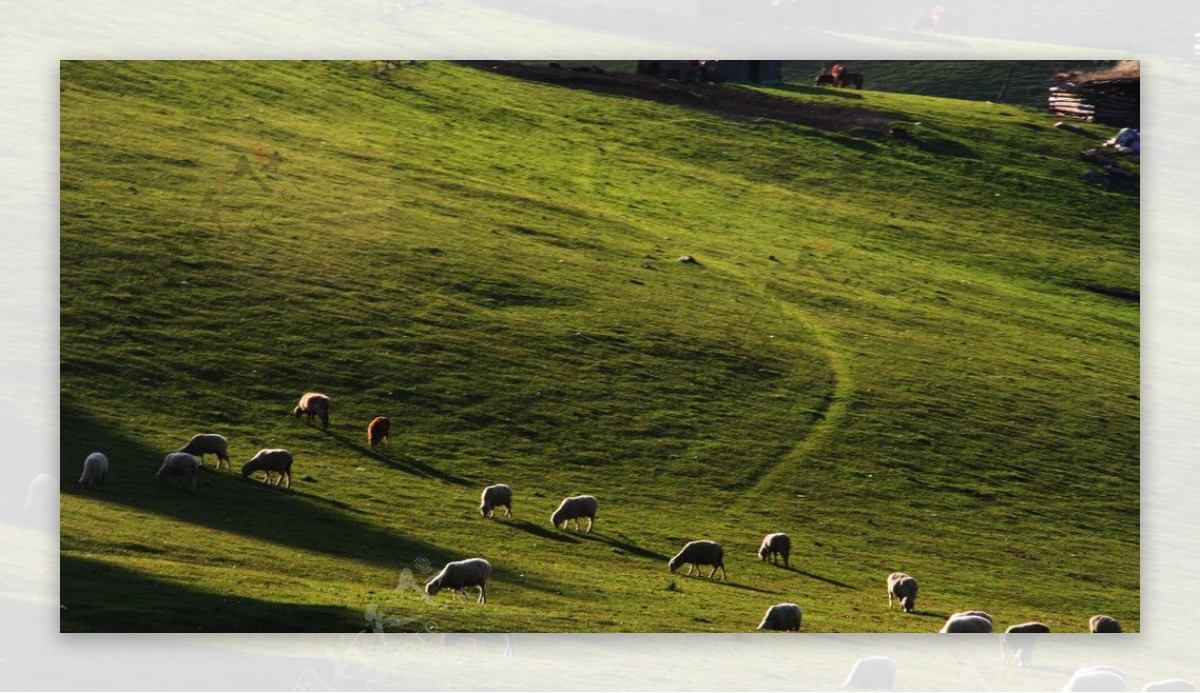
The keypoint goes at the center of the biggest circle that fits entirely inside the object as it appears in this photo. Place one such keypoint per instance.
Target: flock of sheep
(187, 460)
(457, 576)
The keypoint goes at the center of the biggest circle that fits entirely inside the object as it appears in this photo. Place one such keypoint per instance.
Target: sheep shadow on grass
(726, 583)
(625, 546)
(410, 464)
(929, 614)
(340, 505)
(822, 578)
(539, 531)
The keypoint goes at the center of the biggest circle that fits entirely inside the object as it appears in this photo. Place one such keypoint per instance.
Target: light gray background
(34, 37)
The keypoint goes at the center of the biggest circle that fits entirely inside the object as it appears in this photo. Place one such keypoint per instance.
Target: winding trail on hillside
(838, 400)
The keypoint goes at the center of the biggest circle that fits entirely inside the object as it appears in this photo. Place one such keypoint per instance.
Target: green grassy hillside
(885, 350)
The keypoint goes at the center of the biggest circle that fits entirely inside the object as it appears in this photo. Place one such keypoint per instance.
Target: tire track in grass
(833, 412)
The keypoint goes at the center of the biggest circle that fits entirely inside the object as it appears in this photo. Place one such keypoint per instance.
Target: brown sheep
(378, 431)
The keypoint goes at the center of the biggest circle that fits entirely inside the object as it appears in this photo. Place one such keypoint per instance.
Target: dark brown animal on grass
(848, 79)
(824, 79)
(378, 431)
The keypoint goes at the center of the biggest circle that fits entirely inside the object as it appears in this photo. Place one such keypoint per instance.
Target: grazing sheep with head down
(206, 443)
(496, 496)
(314, 404)
(1019, 639)
(95, 468)
(1103, 624)
(968, 622)
(178, 464)
(378, 431)
(457, 576)
(776, 544)
(698, 553)
(574, 508)
(271, 460)
(784, 616)
(904, 588)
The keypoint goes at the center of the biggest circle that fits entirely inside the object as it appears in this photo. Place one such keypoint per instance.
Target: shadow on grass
(740, 586)
(822, 578)
(726, 583)
(625, 546)
(162, 606)
(943, 147)
(858, 143)
(346, 507)
(929, 614)
(539, 531)
(410, 464)
(816, 91)
(231, 503)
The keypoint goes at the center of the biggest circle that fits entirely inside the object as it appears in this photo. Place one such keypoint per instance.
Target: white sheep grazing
(206, 443)
(904, 588)
(457, 576)
(314, 404)
(1170, 685)
(698, 553)
(1096, 678)
(1103, 624)
(872, 672)
(498, 495)
(179, 464)
(968, 622)
(1018, 640)
(776, 544)
(574, 508)
(271, 460)
(784, 616)
(95, 468)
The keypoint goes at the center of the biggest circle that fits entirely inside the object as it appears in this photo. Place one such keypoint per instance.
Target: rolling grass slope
(883, 350)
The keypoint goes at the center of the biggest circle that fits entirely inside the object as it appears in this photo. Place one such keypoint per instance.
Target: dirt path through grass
(833, 411)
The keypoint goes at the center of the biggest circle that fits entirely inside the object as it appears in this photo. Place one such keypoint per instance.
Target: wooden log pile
(1109, 101)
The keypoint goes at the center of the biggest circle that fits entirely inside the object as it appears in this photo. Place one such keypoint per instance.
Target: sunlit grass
(883, 351)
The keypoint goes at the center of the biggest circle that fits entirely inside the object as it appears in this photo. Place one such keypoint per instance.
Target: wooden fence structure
(1109, 101)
